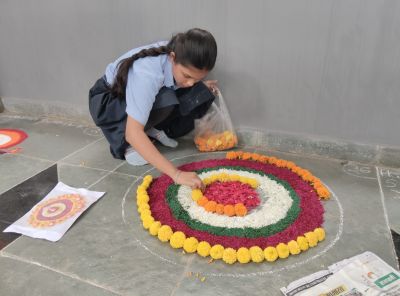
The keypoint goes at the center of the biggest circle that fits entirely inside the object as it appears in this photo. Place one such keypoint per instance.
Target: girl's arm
(138, 139)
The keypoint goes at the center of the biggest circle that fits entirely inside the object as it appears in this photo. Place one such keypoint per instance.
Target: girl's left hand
(212, 85)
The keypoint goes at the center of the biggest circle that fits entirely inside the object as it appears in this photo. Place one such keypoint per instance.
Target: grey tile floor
(107, 252)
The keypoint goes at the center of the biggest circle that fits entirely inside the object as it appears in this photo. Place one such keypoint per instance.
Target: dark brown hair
(196, 48)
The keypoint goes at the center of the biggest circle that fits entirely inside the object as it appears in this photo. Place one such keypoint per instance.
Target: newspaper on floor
(54, 215)
(364, 274)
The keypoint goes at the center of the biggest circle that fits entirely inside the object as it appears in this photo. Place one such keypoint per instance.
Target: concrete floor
(107, 252)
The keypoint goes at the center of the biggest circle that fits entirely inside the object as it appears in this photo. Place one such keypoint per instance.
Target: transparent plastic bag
(214, 131)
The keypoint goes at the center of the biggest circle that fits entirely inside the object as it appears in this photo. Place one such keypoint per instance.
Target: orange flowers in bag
(214, 142)
(214, 131)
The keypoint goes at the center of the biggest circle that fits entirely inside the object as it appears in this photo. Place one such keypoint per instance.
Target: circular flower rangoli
(254, 208)
(56, 210)
(11, 137)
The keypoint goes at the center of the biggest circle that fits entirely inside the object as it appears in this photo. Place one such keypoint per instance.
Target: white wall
(324, 68)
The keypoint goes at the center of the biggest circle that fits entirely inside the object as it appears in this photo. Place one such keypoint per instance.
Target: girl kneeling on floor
(155, 91)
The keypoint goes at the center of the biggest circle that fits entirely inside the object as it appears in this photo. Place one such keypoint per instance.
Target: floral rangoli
(56, 210)
(11, 137)
(254, 208)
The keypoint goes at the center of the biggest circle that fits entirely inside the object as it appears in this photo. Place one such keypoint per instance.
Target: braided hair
(195, 47)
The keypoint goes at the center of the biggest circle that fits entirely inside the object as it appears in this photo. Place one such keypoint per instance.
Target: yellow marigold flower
(270, 254)
(216, 252)
(143, 198)
(145, 213)
(257, 254)
(203, 249)
(294, 248)
(147, 221)
(144, 206)
(190, 245)
(303, 243)
(197, 194)
(243, 180)
(148, 178)
(177, 239)
(253, 183)
(207, 181)
(229, 256)
(147, 181)
(311, 238)
(223, 177)
(243, 255)
(140, 188)
(235, 177)
(164, 233)
(154, 227)
(320, 233)
(283, 250)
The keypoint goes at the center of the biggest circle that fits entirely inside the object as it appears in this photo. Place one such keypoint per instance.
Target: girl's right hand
(189, 179)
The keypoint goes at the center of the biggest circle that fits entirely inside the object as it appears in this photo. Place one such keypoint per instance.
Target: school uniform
(151, 98)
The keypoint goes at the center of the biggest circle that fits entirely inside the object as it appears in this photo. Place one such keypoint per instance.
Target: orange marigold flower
(281, 163)
(231, 155)
(272, 160)
(202, 201)
(210, 206)
(318, 184)
(323, 192)
(315, 180)
(256, 157)
(239, 154)
(307, 176)
(240, 210)
(290, 165)
(297, 170)
(263, 159)
(246, 156)
(229, 210)
(219, 209)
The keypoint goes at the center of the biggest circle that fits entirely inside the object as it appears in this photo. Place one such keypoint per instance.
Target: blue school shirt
(145, 78)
